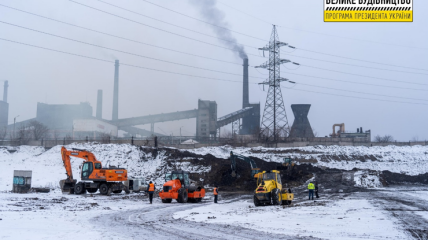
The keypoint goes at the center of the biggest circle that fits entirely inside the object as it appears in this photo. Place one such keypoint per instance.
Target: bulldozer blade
(67, 186)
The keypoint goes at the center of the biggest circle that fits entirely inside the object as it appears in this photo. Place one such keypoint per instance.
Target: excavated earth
(330, 179)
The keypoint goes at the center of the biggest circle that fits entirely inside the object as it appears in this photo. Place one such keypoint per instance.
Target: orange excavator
(178, 187)
(94, 176)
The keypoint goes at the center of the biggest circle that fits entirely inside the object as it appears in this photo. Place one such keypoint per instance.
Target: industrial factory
(77, 120)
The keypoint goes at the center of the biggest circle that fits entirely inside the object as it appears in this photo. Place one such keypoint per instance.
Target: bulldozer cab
(270, 175)
(181, 175)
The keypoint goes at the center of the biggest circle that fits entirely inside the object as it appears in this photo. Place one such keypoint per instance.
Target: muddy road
(399, 203)
(157, 222)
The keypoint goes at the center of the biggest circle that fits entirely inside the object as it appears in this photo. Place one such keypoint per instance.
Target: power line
(137, 13)
(373, 99)
(338, 89)
(189, 65)
(208, 43)
(359, 75)
(347, 64)
(328, 54)
(361, 60)
(360, 83)
(115, 36)
(156, 59)
(159, 29)
(133, 54)
(176, 73)
(168, 9)
(210, 35)
(124, 64)
(246, 13)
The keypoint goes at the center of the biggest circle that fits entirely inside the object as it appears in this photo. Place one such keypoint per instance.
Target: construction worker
(215, 193)
(311, 188)
(151, 189)
(316, 190)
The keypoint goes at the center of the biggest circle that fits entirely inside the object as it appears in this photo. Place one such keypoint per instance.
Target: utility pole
(180, 134)
(275, 120)
(14, 133)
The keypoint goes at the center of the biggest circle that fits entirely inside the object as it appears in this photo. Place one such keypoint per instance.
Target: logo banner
(368, 10)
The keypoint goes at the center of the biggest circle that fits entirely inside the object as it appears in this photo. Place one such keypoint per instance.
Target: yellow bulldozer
(269, 190)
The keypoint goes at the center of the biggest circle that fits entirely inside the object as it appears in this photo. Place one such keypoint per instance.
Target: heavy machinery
(177, 186)
(269, 190)
(94, 176)
(254, 169)
(287, 166)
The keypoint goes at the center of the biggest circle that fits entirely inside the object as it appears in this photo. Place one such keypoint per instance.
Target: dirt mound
(335, 180)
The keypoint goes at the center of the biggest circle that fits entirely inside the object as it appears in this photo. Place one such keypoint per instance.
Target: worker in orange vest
(151, 190)
(215, 193)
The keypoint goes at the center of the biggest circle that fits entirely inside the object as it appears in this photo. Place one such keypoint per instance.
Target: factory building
(93, 128)
(60, 117)
(4, 107)
(206, 120)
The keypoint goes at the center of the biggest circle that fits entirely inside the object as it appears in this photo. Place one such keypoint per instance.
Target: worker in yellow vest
(215, 193)
(151, 190)
(311, 188)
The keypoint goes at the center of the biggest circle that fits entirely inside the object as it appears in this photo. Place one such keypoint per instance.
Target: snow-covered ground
(60, 216)
(409, 160)
(343, 219)
(377, 214)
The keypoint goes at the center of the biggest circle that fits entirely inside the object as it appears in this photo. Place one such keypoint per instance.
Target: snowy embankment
(409, 160)
(48, 168)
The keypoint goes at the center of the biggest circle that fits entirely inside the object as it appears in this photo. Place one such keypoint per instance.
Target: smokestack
(245, 94)
(116, 91)
(100, 104)
(6, 85)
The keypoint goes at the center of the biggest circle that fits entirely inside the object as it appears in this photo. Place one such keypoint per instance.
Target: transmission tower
(275, 122)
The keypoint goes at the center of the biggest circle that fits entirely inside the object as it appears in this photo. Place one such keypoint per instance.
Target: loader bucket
(67, 186)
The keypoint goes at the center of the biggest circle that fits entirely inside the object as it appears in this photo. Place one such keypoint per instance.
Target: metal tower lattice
(275, 122)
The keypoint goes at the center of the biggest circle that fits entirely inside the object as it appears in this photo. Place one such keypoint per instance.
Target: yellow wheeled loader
(269, 190)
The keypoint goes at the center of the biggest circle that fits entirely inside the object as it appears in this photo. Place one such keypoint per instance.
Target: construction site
(197, 120)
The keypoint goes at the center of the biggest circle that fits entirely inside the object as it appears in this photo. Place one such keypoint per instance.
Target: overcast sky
(37, 75)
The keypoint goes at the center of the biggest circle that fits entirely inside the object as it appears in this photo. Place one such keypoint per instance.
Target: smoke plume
(213, 15)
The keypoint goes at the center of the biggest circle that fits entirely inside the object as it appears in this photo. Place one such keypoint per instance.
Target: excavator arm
(67, 185)
(254, 169)
(88, 156)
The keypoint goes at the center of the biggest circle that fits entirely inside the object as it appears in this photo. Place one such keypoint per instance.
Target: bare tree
(227, 134)
(384, 139)
(415, 139)
(24, 133)
(55, 134)
(105, 137)
(68, 137)
(3, 133)
(39, 130)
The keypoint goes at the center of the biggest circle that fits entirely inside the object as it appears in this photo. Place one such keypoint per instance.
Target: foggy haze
(37, 75)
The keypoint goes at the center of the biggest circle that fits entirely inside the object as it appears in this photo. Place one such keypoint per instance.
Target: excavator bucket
(67, 186)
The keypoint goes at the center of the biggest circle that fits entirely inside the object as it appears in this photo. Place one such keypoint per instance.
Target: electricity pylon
(275, 122)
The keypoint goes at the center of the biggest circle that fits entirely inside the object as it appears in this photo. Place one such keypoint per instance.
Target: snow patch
(367, 179)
